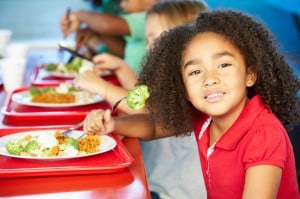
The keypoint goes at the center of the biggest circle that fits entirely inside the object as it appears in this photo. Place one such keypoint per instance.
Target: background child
(224, 78)
(166, 18)
(130, 25)
(95, 43)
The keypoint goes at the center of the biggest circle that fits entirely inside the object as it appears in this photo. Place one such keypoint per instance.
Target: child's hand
(70, 24)
(107, 62)
(99, 122)
(84, 37)
(87, 81)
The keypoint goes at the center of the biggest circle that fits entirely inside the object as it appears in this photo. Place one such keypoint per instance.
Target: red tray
(41, 78)
(22, 115)
(112, 161)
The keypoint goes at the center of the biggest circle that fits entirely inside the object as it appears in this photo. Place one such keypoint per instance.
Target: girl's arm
(262, 182)
(141, 126)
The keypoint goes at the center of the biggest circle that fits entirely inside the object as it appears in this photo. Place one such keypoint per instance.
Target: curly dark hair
(161, 69)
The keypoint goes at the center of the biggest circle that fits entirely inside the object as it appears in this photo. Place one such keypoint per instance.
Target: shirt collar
(240, 127)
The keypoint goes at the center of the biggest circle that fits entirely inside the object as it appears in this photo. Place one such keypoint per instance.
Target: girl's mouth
(214, 97)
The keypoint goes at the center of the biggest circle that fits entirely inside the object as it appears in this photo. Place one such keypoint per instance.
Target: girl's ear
(251, 77)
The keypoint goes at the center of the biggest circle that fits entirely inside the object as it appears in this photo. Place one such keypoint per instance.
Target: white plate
(107, 143)
(24, 98)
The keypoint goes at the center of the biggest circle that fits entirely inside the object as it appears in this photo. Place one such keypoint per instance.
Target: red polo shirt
(256, 138)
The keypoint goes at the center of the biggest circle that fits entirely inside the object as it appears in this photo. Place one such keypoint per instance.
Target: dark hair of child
(161, 70)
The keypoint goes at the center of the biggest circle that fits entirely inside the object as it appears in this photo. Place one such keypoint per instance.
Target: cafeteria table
(127, 182)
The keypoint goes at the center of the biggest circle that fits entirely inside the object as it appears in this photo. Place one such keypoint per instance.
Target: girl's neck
(221, 124)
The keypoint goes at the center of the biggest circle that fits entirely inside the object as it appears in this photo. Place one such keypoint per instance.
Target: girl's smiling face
(215, 75)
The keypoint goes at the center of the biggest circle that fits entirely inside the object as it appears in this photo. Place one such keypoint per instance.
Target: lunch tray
(41, 78)
(112, 161)
(23, 115)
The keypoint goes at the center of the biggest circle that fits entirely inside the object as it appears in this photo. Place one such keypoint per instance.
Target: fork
(80, 124)
(116, 104)
(71, 129)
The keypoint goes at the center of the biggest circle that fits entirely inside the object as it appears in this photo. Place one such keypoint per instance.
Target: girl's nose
(211, 79)
(210, 83)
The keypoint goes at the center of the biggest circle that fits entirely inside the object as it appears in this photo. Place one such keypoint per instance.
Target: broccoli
(50, 67)
(69, 142)
(15, 148)
(72, 89)
(76, 61)
(136, 98)
(72, 142)
(74, 65)
(32, 148)
(48, 90)
(34, 91)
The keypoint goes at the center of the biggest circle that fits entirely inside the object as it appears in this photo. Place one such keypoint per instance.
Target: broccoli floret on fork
(136, 98)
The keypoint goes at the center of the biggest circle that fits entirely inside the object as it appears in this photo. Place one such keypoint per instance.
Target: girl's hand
(99, 122)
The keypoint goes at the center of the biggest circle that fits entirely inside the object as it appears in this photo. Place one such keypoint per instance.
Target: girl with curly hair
(168, 158)
(224, 78)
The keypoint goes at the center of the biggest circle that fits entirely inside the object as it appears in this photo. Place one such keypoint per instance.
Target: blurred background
(37, 21)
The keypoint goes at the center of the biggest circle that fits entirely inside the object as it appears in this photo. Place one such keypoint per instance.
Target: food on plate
(76, 66)
(89, 143)
(64, 93)
(54, 98)
(136, 98)
(53, 145)
(73, 66)
(15, 148)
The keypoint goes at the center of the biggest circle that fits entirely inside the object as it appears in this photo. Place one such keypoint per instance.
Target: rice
(54, 98)
(89, 144)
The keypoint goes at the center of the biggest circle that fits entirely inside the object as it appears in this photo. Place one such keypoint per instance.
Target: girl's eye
(224, 65)
(195, 72)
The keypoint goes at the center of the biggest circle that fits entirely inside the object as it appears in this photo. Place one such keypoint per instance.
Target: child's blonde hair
(174, 13)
